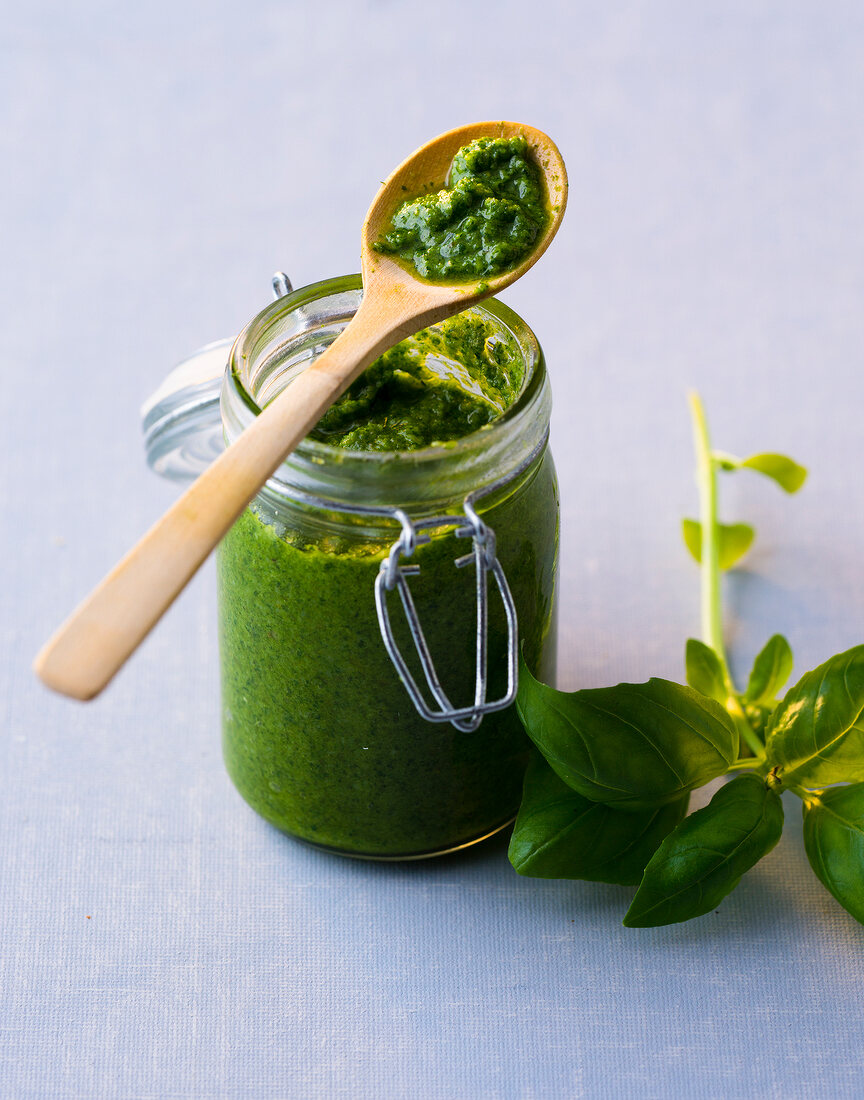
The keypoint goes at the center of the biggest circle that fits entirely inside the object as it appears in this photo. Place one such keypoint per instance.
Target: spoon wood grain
(90, 647)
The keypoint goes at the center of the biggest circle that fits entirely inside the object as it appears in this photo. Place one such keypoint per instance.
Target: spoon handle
(103, 632)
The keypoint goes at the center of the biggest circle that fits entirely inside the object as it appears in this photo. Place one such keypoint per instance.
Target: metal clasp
(393, 575)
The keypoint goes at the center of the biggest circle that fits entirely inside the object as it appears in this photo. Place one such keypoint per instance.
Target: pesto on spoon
(484, 222)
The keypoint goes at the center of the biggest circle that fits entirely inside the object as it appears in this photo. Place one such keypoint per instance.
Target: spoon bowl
(102, 633)
(426, 170)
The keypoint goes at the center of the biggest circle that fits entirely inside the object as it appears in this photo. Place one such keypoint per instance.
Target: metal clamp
(393, 575)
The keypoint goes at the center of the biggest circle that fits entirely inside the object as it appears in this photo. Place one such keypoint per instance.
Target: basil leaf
(634, 745)
(733, 540)
(702, 861)
(771, 669)
(816, 734)
(834, 841)
(780, 468)
(704, 670)
(560, 834)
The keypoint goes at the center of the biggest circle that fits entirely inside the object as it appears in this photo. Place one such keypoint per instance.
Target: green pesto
(435, 387)
(319, 734)
(483, 223)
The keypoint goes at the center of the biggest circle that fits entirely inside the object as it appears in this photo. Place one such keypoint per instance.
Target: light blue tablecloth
(159, 161)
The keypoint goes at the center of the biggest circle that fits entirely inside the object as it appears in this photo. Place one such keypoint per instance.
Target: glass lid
(181, 421)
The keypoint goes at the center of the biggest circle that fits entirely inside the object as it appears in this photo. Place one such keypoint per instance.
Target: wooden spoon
(111, 623)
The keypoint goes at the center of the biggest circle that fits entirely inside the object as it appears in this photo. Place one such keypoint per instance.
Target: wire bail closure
(393, 575)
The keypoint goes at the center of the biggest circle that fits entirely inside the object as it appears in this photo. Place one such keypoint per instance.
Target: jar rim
(306, 469)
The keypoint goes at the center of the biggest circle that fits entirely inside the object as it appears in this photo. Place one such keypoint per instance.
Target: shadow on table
(778, 897)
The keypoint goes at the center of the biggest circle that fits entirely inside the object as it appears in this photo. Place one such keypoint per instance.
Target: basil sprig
(605, 797)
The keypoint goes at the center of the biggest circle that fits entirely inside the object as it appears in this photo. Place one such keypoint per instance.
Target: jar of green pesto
(320, 733)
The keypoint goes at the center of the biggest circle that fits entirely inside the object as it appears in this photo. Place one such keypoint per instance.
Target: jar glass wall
(319, 734)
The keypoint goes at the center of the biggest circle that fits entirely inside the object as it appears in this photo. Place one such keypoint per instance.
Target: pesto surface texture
(484, 222)
(435, 387)
(319, 734)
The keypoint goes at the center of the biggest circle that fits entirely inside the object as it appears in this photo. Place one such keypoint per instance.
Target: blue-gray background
(159, 161)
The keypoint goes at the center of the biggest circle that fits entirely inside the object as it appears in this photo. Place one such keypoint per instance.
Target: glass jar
(320, 733)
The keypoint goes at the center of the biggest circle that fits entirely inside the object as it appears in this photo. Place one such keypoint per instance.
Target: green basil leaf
(816, 734)
(771, 669)
(633, 745)
(704, 670)
(733, 540)
(834, 841)
(702, 861)
(560, 834)
(780, 468)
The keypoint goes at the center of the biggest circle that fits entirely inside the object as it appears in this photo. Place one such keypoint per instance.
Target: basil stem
(712, 618)
(706, 472)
